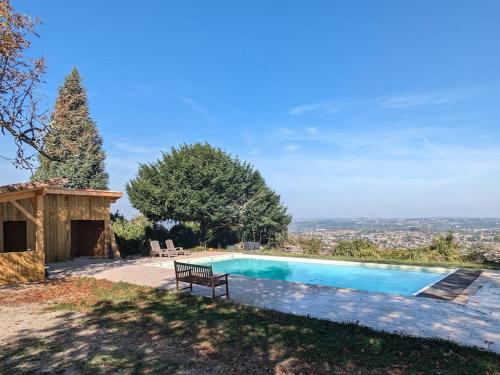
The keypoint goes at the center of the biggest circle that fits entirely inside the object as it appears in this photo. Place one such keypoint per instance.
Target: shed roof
(53, 186)
(27, 186)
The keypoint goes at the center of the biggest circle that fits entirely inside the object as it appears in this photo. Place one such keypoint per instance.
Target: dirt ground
(36, 338)
(18, 321)
(39, 338)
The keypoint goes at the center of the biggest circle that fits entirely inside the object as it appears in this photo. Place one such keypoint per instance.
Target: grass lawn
(120, 328)
(493, 266)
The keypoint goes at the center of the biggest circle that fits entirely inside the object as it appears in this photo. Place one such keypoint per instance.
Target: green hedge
(443, 248)
(130, 234)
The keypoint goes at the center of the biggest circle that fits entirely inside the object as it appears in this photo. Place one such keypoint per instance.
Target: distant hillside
(431, 225)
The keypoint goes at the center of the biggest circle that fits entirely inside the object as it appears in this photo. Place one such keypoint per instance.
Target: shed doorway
(14, 236)
(87, 238)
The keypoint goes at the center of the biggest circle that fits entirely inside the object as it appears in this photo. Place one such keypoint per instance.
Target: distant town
(401, 233)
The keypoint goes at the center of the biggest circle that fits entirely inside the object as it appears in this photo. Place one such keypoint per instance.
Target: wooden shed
(43, 222)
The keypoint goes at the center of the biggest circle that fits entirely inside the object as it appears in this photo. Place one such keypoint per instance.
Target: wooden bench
(199, 275)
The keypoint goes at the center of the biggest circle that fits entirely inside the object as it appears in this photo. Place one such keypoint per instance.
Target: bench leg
(191, 286)
(177, 284)
(227, 289)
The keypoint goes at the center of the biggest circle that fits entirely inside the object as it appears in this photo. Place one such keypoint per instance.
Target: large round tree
(205, 185)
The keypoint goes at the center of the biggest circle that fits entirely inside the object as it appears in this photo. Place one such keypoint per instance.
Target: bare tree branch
(20, 116)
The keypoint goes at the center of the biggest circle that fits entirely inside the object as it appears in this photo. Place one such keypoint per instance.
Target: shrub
(442, 248)
(358, 248)
(483, 253)
(446, 246)
(308, 245)
(416, 254)
(312, 245)
(130, 234)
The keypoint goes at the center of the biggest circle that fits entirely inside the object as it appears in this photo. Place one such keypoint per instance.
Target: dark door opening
(14, 236)
(87, 238)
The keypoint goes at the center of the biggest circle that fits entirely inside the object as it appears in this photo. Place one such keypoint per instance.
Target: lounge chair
(178, 250)
(157, 250)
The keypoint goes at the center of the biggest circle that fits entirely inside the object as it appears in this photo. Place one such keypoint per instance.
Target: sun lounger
(178, 250)
(157, 250)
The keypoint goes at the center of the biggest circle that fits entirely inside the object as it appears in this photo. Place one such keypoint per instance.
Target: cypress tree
(73, 138)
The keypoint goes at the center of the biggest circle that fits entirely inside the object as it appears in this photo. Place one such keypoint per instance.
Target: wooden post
(108, 251)
(114, 245)
(40, 234)
(40, 240)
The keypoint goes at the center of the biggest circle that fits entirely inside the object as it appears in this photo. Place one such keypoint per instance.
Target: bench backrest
(196, 271)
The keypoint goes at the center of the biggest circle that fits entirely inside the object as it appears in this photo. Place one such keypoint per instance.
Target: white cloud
(134, 148)
(417, 100)
(384, 140)
(411, 100)
(284, 133)
(312, 130)
(408, 101)
(328, 107)
(135, 90)
(197, 107)
(291, 148)
(432, 146)
(460, 182)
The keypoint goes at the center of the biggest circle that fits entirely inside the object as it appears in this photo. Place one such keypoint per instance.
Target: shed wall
(59, 210)
(21, 267)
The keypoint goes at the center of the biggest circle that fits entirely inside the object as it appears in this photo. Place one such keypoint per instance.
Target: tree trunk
(203, 234)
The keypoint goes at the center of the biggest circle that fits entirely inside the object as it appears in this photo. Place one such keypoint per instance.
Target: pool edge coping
(432, 269)
(434, 283)
(438, 269)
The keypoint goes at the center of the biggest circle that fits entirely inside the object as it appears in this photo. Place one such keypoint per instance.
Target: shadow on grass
(128, 329)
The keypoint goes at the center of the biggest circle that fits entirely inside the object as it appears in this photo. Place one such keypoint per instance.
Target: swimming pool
(393, 279)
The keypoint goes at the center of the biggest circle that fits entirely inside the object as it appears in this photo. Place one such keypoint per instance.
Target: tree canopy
(72, 137)
(205, 185)
(20, 116)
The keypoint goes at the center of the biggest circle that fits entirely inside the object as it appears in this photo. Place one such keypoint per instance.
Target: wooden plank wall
(59, 210)
(8, 212)
(26, 266)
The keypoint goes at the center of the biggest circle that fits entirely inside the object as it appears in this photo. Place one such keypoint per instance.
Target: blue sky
(349, 108)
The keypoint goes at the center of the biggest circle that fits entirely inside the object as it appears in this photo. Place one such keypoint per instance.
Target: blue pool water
(392, 280)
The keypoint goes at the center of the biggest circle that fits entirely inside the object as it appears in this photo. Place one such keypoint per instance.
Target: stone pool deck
(472, 319)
